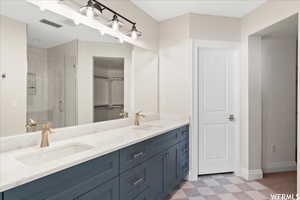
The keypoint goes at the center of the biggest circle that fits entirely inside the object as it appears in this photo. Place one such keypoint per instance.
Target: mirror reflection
(108, 88)
(72, 74)
(52, 71)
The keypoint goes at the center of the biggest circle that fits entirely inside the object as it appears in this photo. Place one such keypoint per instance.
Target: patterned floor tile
(222, 187)
(232, 188)
(191, 192)
(257, 186)
(257, 195)
(227, 196)
(179, 194)
(206, 191)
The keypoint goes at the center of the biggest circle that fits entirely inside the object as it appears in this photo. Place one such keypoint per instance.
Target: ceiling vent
(50, 23)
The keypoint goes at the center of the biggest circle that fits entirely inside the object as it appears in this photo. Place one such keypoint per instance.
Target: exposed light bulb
(102, 32)
(76, 22)
(42, 7)
(90, 12)
(134, 35)
(115, 25)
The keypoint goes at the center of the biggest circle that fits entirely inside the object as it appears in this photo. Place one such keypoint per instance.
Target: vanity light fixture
(91, 9)
(115, 23)
(134, 33)
(94, 8)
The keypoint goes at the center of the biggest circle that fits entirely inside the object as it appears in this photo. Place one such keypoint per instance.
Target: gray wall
(278, 103)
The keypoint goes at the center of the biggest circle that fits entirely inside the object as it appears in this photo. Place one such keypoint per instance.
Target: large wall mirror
(54, 71)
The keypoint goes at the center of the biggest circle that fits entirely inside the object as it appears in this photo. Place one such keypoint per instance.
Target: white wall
(255, 101)
(175, 63)
(278, 103)
(176, 36)
(145, 81)
(13, 63)
(264, 16)
(206, 27)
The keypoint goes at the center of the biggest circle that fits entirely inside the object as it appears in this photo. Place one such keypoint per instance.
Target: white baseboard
(191, 176)
(284, 166)
(252, 174)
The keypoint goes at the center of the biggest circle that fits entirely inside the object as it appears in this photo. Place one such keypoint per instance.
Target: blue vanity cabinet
(134, 155)
(69, 183)
(107, 191)
(157, 176)
(163, 142)
(134, 181)
(145, 195)
(149, 170)
(172, 168)
(184, 158)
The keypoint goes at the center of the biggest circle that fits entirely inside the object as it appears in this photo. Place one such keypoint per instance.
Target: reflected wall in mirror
(54, 71)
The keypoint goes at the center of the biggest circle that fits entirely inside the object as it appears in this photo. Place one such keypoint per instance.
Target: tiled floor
(222, 187)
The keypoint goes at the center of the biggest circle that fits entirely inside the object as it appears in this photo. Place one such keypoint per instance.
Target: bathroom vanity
(79, 77)
(149, 169)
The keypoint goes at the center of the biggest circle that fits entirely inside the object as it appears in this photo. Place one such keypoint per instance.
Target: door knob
(231, 117)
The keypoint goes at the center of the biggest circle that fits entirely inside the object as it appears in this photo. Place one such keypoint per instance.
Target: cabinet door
(157, 176)
(69, 183)
(184, 158)
(172, 168)
(107, 191)
(144, 196)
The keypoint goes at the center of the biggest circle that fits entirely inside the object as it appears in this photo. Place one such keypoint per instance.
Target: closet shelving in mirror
(69, 9)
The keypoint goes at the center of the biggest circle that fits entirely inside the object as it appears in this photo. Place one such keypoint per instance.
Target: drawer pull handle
(138, 181)
(138, 155)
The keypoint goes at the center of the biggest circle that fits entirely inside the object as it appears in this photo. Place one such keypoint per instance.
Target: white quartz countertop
(14, 173)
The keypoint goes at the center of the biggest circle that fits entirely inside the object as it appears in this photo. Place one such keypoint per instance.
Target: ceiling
(166, 9)
(285, 28)
(45, 36)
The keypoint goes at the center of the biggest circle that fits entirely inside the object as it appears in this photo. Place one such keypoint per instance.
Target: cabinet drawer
(69, 183)
(134, 155)
(107, 191)
(134, 182)
(165, 141)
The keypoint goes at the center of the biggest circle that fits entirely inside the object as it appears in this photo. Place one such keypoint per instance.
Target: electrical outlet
(273, 148)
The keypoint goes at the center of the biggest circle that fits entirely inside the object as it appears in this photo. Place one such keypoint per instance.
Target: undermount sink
(147, 127)
(48, 154)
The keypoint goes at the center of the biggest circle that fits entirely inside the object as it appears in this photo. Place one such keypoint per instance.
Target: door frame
(195, 104)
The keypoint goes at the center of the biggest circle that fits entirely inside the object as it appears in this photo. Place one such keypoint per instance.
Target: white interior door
(216, 68)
